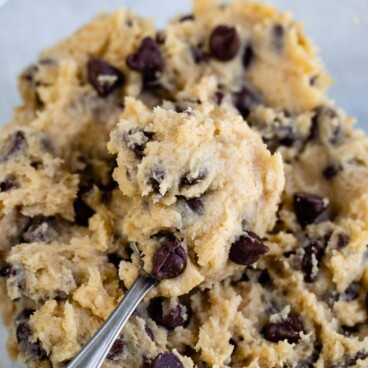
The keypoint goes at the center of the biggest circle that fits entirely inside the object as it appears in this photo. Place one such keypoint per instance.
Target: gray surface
(338, 27)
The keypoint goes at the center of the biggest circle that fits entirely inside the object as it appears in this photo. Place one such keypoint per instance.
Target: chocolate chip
(47, 61)
(115, 259)
(117, 350)
(37, 231)
(169, 319)
(167, 360)
(147, 59)
(7, 184)
(29, 73)
(60, 295)
(25, 315)
(264, 278)
(247, 249)
(219, 96)
(286, 135)
(160, 37)
(351, 292)
(312, 257)
(288, 329)
(15, 143)
(321, 113)
(83, 212)
(200, 55)
(224, 43)
(170, 260)
(195, 204)
(150, 333)
(135, 146)
(248, 56)
(187, 180)
(278, 33)
(309, 207)
(156, 178)
(7, 270)
(350, 361)
(313, 80)
(245, 100)
(342, 241)
(366, 302)
(34, 349)
(185, 18)
(104, 77)
(331, 171)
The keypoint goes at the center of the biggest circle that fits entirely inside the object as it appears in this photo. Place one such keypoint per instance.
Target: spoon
(95, 351)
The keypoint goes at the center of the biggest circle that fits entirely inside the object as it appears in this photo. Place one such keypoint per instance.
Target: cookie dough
(66, 227)
(204, 187)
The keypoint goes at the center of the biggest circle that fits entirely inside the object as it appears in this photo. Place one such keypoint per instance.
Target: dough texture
(227, 159)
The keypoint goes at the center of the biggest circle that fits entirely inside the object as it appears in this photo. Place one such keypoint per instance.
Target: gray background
(338, 27)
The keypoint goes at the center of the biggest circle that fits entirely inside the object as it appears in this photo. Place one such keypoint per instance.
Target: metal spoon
(95, 351)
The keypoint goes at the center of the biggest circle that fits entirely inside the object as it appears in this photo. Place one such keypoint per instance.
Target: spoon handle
(95, 351)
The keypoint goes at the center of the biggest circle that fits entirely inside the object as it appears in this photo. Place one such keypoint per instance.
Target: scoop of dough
(205, 190)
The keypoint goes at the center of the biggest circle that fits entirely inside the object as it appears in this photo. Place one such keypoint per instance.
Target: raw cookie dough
(204, 187)
(63, 255)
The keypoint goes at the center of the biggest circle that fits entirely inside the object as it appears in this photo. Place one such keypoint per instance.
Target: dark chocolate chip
(187, 180)
(288, 329)
(265, 278)
(169, 319)
(313, 253)
(195, 204)
(60, 295)
(289, 254)
(350, 330)
(247, 249)
(224, 43)
(167, 360)
(350, 361)
(47, 61)
(308, 207)
(313, 80)
(156, 178)
(7, 270)
(138, 148)
(219, 96)
(278, 33)
(7, 184)
(17, 142)
(286, 135)
(29, 73)
(104, 77)
(150, 333)
(37, 230)
(199, 54)
(245, 100)
(322, 112)
(342, 241)
(147, 59)
(351, 292)
(160, 37)
(25, 315)
(34, 349)
(187, 17)
(83, 212)
(248, 56)
(117, 350)
(331, 171)
(115, 259)
(170, 260)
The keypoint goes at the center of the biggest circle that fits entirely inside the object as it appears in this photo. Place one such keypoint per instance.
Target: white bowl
(338, 27)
